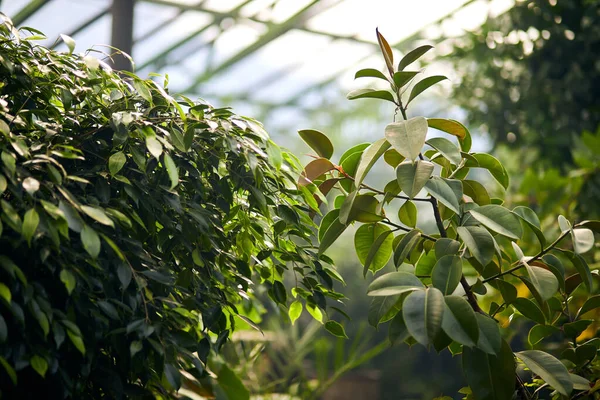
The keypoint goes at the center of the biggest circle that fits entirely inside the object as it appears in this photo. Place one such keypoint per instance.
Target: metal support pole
(122, 32)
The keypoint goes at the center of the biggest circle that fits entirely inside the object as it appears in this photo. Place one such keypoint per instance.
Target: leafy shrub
(133, 228)
(428, 299)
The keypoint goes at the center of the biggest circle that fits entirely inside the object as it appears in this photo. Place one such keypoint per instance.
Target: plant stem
(405, 229)
(364, 185)
(463, 281)
(536, 257)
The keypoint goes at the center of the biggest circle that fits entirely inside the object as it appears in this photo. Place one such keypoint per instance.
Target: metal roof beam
(28, 11)
(274, 32)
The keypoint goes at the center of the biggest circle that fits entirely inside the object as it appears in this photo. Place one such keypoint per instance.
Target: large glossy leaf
(447, 148)
(384, 308)
(412, 177)
(589, 305)
(543, 280)
(490, 377)
(370, 73)
(548, 368)
(373, 244)
(371, 94)
(459, 321)
(407, 137)
(539, 332)
(449, 126)
(369, 157)
(490, 340)
(331, 231)
(423, 311)
(531, 219)
(405, 246)
(447, 273)
(394, 283)
(423, 85)
(582, 268)
(315, 169)
(530, 310)
(360, 207)
(413, 56)
(479, 242)
(499, 219)
(401, 78)
(476, 191)
(317, 141)
(444, 193)
(491, 164)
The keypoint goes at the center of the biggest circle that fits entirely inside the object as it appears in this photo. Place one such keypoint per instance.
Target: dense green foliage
(533, 72)
(134, 229)
(431, 298)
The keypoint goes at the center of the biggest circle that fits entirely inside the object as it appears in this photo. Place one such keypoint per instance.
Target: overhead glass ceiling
(260, 55)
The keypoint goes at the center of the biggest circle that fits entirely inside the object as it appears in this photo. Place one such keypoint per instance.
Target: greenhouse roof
(266, 53)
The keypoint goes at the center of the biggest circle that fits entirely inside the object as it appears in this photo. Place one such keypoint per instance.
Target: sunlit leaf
(318, 142)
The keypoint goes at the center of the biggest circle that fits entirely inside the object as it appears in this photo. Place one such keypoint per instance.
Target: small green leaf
(383, 308)
(315, 312)
(564, 224)
(31, 185)
(334, 230)
(499, 219)
(361, 208)
(476, 191)
(68, 279)
(446, 246)
(135, 347)
(98, 214)
(412, 177)
(530, 310)
(407, 137)
(335, 329)
(154, 146)
(413, 56)
(449, 126)
(582, 268)
(539, 332)
(423, 311)
(423, 85)
(405, 246)
(548, 368)
(401, 78)
(31, 221)
(318, 142)
(373, 244)
(77, 341)
(368, 159)
(295, 311)
(90, 240)
(5, 293)
(171, 170)
(492, 165)
(408, 214)
(479, 242)
(447, 148)
(589, 305)
(447, 273)
(68, 40)
(440, 189)
(116, 162)
(531, 219)
(9, 370)
(371, 94)
(142, 88)
(394, 283)
(370, 73)
(39, 364)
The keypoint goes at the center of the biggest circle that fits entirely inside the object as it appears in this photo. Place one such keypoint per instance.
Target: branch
(405, 229)
(521, 263)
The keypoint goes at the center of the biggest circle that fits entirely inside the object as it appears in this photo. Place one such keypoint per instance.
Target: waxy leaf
(548, 368)
(408, 214)
(423, 311)
(116, 162)
(423, 85)
(530, 310)
(401, 78)
(335, 329)
(386, 50)
(318, 142)
(407, 137)
(369, 157)
(413, 56)
(491, 164)
(371, 94)
(405, 246)
(479, 242)
(449, 126)
(459, 321)
(447, 273)
(440, 189)
(490, 377)
(499, 219)
(412, 177)
(373, 244)
(370, 73)
(539, 332)
(447, 148)
(394, 283)
(90, 240)
(531, 219)
(583, 240)
(446, 246)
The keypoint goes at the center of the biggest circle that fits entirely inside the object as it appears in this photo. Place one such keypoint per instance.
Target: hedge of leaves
(133, 226)
(428, 298)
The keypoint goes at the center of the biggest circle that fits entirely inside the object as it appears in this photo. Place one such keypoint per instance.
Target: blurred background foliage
(526, 82)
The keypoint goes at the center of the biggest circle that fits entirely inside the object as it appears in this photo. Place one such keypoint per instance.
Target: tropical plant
(428, 299)
(134, 229)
